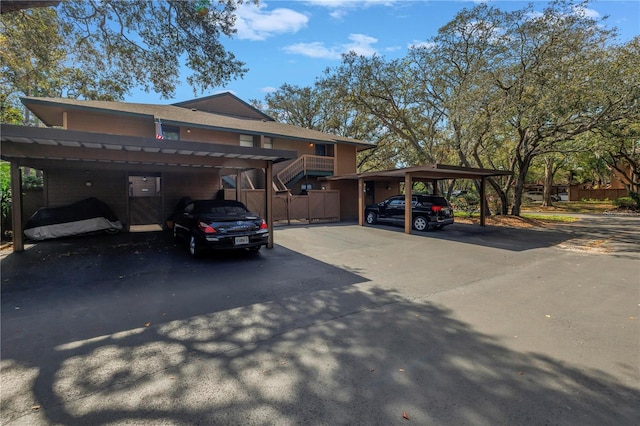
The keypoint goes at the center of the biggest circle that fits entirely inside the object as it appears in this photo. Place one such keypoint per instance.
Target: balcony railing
(307, 164)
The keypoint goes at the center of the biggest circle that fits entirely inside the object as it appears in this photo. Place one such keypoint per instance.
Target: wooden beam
(269, 200)
(60, 153)
(483, 201)
(16, 207)
(360, 201)
(408, 192)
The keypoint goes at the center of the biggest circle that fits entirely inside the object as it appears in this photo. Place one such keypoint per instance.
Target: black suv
(429, 211)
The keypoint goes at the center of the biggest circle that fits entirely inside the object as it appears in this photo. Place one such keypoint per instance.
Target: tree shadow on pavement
(316, 345)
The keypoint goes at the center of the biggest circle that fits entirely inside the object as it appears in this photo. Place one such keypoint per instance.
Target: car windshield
(217, 208)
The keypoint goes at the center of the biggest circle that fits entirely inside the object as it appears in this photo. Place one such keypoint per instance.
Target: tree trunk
(548, 182)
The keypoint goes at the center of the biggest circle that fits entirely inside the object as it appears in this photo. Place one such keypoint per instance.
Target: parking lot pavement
(338, 324)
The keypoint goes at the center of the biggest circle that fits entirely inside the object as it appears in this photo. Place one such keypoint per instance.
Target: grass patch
(550, 218)
(571, 207)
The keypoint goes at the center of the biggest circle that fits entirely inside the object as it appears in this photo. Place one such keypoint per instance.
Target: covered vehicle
(86, 216)
(218, 224)
(429, 211)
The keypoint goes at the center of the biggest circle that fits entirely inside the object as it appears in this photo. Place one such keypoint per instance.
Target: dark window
(171, 132)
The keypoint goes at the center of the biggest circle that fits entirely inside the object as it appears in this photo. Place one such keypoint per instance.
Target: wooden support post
(408, 208)
(360, 201)
(239, 185)
(16, 207)
(269, 201)
(483, 201)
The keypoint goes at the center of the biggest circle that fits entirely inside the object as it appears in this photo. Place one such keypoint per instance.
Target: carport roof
(427, 172)
(35, 146)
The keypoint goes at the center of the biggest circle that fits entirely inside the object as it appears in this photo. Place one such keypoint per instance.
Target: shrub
(626, 202)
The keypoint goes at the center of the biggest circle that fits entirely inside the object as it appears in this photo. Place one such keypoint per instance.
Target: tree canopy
(505, 90)
(104, 49)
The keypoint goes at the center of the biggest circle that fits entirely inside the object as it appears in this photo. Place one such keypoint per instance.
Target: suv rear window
(437, 201)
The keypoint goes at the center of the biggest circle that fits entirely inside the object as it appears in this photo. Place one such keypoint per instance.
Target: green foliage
(511, 90)
(5, 192)
(631, 202)
(32, 181)
(469, 202)
(102, 50)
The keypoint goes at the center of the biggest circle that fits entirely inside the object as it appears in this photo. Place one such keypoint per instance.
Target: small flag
(159, 134)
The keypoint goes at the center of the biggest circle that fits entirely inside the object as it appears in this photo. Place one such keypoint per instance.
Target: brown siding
(197, 185)
(300, 147)
(211, 136)
(66, 187)
(110, 124)
(346, 159)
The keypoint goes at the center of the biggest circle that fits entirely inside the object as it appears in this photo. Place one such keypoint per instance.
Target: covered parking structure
(98, 154)
(428, 173)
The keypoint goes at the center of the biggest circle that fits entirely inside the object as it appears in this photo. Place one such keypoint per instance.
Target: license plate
(241, 240)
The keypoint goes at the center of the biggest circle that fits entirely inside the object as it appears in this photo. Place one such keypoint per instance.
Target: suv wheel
(371, 218)
(421, 223)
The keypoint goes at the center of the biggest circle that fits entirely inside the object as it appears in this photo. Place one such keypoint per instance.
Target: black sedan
(219, 224)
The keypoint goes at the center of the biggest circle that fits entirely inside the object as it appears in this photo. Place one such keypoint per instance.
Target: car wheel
(194, 247)
(372, 218)
(420, 223)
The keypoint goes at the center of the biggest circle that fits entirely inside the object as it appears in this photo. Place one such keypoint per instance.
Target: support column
(239, 185)
(16, 207)
(483, 201)
(268, 191)
(360, 201)
(408, 208)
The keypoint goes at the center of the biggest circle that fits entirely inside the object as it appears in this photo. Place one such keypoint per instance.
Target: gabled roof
(49, 111)
(225, 104)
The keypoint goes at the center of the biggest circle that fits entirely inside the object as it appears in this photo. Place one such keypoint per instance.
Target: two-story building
(141, 159)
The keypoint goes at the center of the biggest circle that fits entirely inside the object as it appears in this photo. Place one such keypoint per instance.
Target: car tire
(421, 223)
(371, 218)
(194, 247)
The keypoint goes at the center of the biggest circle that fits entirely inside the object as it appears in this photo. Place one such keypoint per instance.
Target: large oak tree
(104, 49)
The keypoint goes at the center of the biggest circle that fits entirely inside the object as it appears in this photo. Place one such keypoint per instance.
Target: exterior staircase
(288, 173)
(306, 165)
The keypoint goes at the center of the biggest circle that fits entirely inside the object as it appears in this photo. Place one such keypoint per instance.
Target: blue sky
(295, 41)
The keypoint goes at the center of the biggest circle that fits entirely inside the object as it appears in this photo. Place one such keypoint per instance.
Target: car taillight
(436, 208)
(263, 225)
(206, 228)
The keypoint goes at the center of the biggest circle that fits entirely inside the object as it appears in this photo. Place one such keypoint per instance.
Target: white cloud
(255, 22)
(340, 8)
(268, 89)
(361, 44)
(416, 44)
(586, 12)
(313, 50)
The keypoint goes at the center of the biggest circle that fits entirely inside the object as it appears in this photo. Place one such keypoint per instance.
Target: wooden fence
(316, 206)
(577, 194)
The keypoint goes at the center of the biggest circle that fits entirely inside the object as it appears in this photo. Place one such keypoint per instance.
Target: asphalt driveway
(338, 324)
